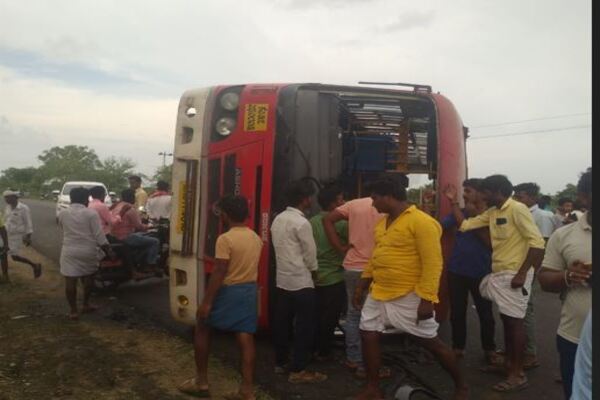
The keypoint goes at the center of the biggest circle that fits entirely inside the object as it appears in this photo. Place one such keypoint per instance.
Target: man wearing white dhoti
(82, 249)
(17, 219)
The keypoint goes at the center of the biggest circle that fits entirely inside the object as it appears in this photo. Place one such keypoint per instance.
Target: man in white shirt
(80, 253)
(158, 205)
(296, 261)
(17, 219)
(528, 193)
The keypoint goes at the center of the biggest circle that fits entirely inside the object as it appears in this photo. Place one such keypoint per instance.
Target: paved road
(150, 298)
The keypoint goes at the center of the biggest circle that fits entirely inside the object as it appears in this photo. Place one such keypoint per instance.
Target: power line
(531, 132)
(529, 120)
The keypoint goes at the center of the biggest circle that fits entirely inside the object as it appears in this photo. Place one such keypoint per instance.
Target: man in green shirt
(329, 277)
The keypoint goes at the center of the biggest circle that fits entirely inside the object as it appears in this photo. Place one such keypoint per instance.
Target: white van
(64, 200)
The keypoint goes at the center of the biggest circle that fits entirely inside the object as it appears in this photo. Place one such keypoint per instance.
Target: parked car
(63, 200)
(55, 194)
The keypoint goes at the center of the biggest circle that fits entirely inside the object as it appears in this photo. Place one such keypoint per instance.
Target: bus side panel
(185, 272)
(265, 94)
(256, 123)
(451, 169)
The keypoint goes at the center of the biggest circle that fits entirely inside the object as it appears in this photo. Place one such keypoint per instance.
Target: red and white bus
(253, 139)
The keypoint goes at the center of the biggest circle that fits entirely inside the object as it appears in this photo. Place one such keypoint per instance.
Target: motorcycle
(113, 272)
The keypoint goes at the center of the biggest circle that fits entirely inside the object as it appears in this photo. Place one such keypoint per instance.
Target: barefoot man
(82, 240)
(230, 299)
(402, 280)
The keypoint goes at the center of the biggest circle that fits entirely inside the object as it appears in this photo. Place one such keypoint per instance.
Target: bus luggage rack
(383, 137)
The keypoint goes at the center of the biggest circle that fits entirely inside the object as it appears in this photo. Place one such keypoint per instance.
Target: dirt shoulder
(112, 354)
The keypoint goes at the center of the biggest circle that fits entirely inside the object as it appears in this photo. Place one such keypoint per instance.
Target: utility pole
(165, 154)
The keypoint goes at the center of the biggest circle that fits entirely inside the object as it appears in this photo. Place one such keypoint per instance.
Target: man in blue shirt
(469, 263)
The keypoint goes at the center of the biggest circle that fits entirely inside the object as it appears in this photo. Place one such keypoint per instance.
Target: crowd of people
(375, 262)
(89, 226)
(378, 260)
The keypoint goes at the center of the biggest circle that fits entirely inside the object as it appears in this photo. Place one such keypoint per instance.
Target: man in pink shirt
(130, 230)
(362, 218)
(107, 220)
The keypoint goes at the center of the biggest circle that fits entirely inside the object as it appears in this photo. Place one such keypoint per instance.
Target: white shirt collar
(294, 210)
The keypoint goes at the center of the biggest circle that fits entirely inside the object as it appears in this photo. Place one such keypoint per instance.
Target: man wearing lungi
(17, 220)
(517, 246)
(230, 299)
(401, 283)
(84, 245)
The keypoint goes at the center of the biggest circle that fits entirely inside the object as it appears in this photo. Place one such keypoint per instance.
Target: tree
(113, 172)
(163, 173)
(24, 179)
(69, 163)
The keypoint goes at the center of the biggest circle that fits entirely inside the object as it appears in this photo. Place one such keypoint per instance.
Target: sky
(109, 74)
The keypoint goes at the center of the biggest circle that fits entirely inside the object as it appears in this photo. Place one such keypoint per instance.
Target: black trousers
(330, 303)
(460, 287)
(294, 311)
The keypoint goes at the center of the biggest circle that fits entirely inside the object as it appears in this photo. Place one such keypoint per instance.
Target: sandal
(510, 386)
(193, 389)
(530, 364)
(352, 366)
(384, 373)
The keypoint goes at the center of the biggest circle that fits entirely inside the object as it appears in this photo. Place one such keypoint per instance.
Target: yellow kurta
(407, 257)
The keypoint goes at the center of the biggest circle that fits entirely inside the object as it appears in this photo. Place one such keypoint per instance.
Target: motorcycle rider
(158, 205)
(107, 219)
(130, 230)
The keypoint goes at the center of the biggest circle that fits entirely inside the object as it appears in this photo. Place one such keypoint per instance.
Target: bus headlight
(225, 126)
(230, 101)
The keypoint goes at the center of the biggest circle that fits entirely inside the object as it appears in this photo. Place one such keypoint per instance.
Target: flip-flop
(508, 386)
(190, 387)
(384, 373)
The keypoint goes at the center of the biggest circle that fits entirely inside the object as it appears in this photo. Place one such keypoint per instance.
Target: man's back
(80, 226)
(159, 207)
(362, 218)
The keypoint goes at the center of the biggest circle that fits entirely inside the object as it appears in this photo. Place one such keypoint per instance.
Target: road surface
(151, 299)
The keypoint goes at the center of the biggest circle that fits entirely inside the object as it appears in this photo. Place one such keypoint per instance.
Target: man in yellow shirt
(141, 197)
(517, 245)
(403, 275)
